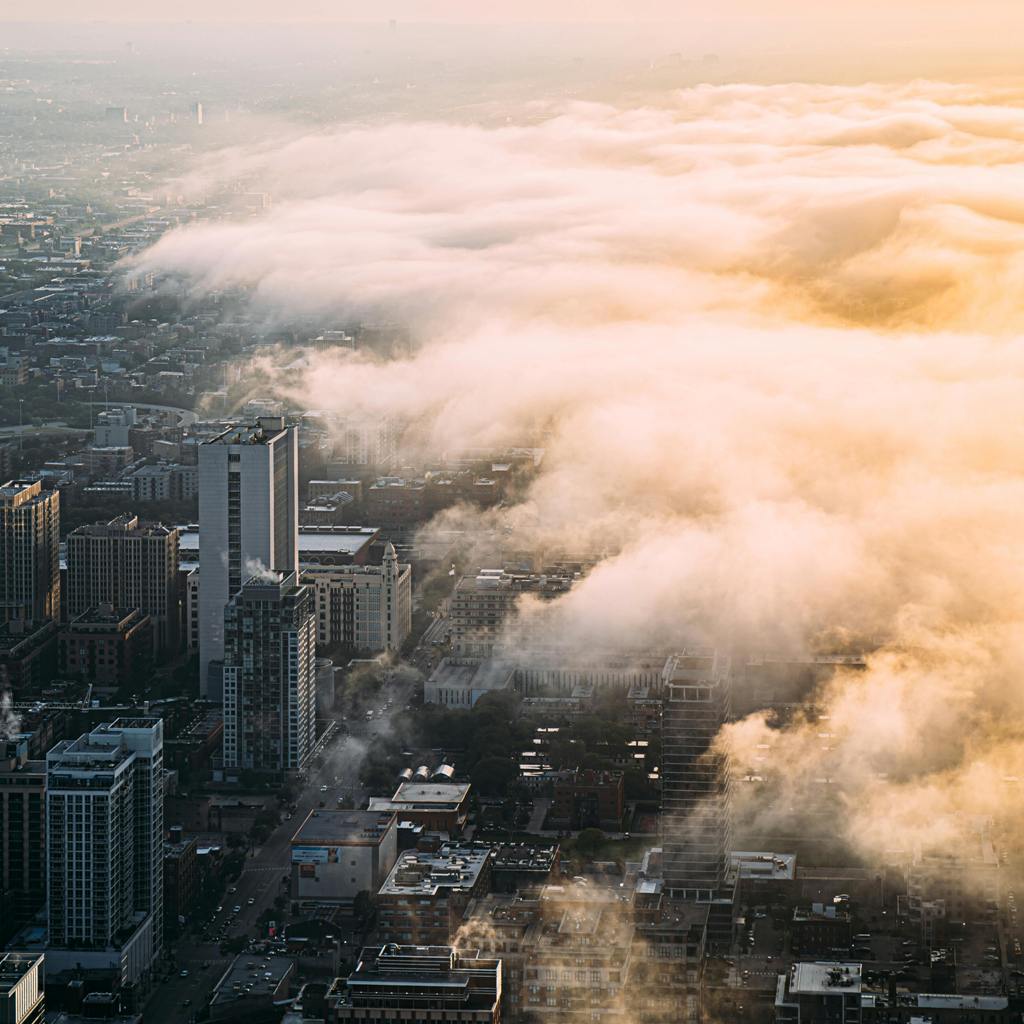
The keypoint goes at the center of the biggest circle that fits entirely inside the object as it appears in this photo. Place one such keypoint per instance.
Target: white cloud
(770, 338)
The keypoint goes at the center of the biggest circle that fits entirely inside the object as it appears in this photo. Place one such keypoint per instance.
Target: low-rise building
(107, 647)
(589, 799)
(666, 959)
(28, 654)
(821, 991)
(424, 899)
(820, 928)
(437, 806)
(950, 885)
(407, 984)
(335, 855)
(579, 958)
(935, 1008)
(395, 502)
(165, 482)
(101, 462)
(482, 604)
(181, 880)
(764, 876)
(520, 866)
(595, 953)
(194, 745)
(503, 925)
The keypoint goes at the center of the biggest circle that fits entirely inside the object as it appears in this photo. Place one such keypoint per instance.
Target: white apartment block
(113, 428)
(105, 833)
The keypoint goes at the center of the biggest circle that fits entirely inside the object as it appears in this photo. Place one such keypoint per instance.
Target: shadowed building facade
(696, 783)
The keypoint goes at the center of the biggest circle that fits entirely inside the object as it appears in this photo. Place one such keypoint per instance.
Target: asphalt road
(261, 879)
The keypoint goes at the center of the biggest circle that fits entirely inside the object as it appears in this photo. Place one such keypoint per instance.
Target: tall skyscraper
(248, 523)
(29, 551)
(695, 778)
(127, 565)
(104, 845)
(270, 675)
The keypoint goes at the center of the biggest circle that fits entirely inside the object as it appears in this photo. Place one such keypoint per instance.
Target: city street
(261, 879)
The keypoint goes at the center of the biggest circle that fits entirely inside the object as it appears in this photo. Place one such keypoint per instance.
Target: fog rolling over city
(512, 513)
(768, 337)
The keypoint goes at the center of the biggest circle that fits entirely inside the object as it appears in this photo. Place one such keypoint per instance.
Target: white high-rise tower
(104, 841)
(248, 523)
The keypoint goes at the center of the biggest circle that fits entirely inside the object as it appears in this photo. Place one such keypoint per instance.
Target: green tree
(236, 841)
(492, 775)
(589, 842)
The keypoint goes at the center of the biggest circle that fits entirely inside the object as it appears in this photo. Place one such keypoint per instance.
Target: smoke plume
(10, 720)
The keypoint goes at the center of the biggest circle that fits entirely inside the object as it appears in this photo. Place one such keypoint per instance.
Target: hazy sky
(984, 15)
(868, 38)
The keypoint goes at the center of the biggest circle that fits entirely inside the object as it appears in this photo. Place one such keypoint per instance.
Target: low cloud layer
(769, 337)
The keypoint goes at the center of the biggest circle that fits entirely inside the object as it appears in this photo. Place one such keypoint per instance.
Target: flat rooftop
(408, 975)
(421, 873)
(120, 724)
(84, 755)
(824, 978)
(254, 976)
(938, 1001)
(455, 675)
(25, 636)
(14, 967)
(431, 794)
(499, 581)
(695, 666)
(344, 828)
(526, 856)
(326, 541)
(25, 768)
(106, 616)
(265, 430)
(766, 866)
(204, 726)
